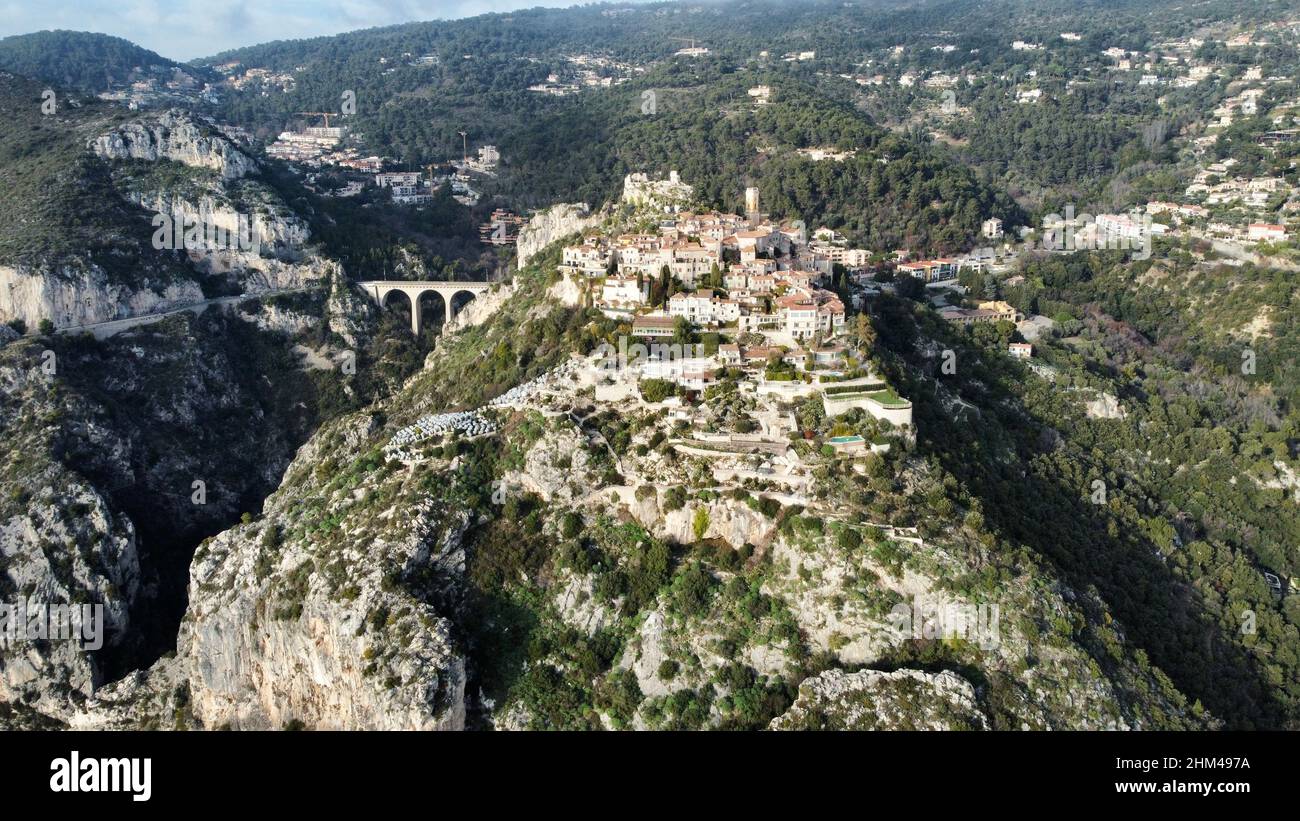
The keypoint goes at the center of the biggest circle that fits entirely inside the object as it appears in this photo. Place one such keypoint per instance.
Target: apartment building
(930, 270)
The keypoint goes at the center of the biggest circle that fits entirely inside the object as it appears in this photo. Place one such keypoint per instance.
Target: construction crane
(325, 114)
(690, 40)
(464, 140)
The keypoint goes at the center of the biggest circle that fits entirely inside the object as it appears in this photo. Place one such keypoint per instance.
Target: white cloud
(185, 29)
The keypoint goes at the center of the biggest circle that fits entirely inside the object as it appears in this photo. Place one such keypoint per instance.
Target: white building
(622, 292)
(807, 312)
(588, 259)
(703, 308)
(392, 178)
(1265, 232)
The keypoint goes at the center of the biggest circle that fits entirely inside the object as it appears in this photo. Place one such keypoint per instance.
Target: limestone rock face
(874, 700)
(278, 631)
(81, 496)
(648, 652)
(1104, 406)
(567, 291)
(481, 308)
(734, 522)
(347, 310)
(263, 241)
(60, 544)
(554, 467)
(252, 669)
(74, 295)
(252, 226)
(554, 223)
(577, 605)
(175, 135)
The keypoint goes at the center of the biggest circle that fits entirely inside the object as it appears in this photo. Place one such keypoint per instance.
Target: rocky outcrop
(251, 225)
(175, 135)
(567, 291)
(254, 664)
(481, 307)
(647, 651)
(273, 318)
(1104, 406)
(556, 222)
(83, 294)
(347, 310)
(554, 467)
(578, 606)
(60, 544)
(873, 700)
(280, 632)
(734, 522)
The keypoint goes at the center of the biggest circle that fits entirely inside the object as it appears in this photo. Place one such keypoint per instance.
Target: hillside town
(757, 287)
(768, 290)
(1240, 199)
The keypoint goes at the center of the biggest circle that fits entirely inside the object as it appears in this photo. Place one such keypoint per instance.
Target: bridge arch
(412, 303)
(433, 296)
(449, 296)
(416, 290)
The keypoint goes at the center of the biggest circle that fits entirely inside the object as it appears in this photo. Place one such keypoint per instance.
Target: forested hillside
(78, 60)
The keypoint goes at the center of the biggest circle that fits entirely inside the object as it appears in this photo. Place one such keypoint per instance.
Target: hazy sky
(184, 29)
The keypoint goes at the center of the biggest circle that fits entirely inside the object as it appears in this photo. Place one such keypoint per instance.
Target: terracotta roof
(654, 321)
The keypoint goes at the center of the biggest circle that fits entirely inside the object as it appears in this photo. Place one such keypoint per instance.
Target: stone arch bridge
(414, 289)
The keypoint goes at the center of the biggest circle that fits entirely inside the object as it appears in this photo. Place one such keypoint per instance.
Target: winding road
(111, 327)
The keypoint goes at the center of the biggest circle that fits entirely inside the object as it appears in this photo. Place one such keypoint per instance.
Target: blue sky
(184, 29)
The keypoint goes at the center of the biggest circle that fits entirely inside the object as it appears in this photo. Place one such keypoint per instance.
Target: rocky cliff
(874, 700)
(61, 542)
(126, 453)
(174, 135)
(265, 244)
(82, 294)
(314, 614)
(280, 633)
(552, 224)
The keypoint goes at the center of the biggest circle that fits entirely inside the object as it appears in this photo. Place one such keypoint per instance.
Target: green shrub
(657, 390)
(674, 498)
(570, 525)
(700, 525)
(848, 538)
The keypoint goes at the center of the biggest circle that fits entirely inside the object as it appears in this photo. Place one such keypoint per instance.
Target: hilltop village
(716, 301)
